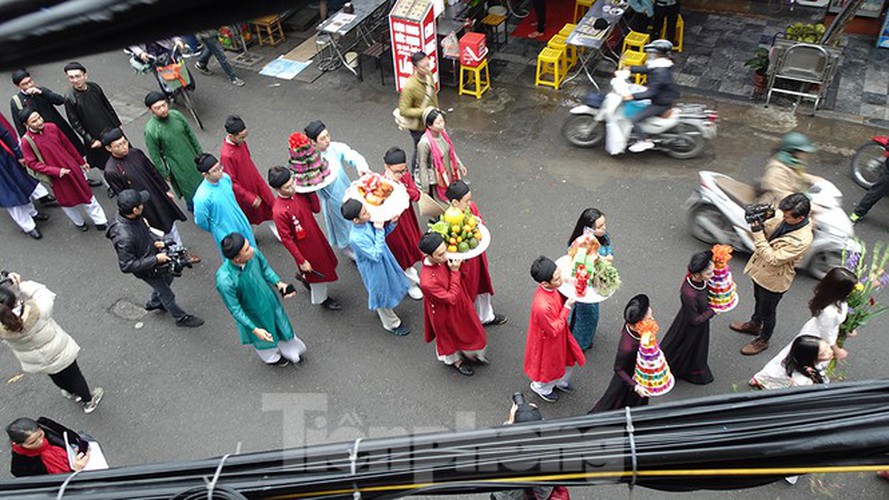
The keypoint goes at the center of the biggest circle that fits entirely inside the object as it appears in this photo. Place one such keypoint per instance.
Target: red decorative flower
(298, 140)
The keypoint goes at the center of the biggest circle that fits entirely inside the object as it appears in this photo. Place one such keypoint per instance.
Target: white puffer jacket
(42, 346)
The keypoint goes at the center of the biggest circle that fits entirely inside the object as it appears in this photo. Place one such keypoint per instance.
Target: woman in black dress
(687, 342)
(623, 390)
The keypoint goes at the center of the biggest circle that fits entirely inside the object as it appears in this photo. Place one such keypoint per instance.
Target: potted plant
(759, 63)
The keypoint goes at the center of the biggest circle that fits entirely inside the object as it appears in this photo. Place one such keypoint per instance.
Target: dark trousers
(765, 310)
(416, 135)
(639, 22)
(540, 12)
(670, 13)
(161, 293)
(71, 380)
(214, 48)
(647, 112)
(875, 193)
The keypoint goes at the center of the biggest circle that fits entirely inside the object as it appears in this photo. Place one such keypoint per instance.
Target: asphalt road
(174, 394)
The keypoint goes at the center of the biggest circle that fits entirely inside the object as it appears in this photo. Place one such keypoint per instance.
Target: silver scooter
(682, 132)
(716, 215)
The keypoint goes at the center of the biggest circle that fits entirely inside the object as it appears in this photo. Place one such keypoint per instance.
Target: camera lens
(518, 398)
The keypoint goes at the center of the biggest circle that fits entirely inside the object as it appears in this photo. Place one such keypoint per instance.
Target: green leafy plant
(759, 63)
(809, 33)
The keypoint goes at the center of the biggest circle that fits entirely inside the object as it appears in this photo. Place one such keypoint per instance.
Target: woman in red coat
(403, 240)
(476, 277)
(551, 352)
(448, 317)
(301, 236)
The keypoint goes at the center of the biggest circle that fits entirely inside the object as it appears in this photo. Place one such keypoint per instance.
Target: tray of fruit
(587, 285)
(464, 234)
(383, 198)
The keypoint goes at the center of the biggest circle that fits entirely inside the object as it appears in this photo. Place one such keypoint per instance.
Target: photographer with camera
(781, 241)
(522, 412)
(144, 255)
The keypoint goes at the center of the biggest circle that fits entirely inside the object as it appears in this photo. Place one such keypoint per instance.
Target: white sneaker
(415, 292)
(274, 230)
(791, 479)
(90, 407)
(68, 395)
(640, 146)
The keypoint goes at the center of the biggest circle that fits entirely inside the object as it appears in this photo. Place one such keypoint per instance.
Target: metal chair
(806, 64)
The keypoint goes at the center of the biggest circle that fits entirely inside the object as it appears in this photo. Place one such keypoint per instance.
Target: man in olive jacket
(780, 244)
(418, 94)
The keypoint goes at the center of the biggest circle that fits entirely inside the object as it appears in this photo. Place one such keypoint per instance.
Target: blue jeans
(161, 293)
(214, 48)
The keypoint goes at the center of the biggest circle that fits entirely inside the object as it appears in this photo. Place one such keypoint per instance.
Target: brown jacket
(779, 181)
(411, 103)
(772, 265)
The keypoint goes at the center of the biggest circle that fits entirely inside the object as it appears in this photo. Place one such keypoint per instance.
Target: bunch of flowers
(872, 278)
(298, 140)
(647, 329)
(721, 255)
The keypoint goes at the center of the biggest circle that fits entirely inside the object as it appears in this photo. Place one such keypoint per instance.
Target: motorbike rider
(786, 171)
(873, 195)
(156, 51)
(662, 90)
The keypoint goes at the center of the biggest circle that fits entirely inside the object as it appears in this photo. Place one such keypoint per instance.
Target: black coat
(687, 343)
(134, 243)
(45, 104)
(90, 112)
(135, 171)
(662, 90)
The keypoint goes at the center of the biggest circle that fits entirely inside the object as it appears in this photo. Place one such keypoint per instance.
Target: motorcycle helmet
(661, 47)
(795, 141)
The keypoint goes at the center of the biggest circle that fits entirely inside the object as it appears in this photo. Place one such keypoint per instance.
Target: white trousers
(23, 216)
(93, 210)
(39, 192)
(389, 319)
(484, 308)
(175, 236)
(544, 388)
(291, 349)
(412, 276)
(319, 292)
(450, 359)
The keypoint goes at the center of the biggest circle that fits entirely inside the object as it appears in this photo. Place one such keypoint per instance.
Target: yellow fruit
(453, 215)
(453, 241)
(455, 229)
(477, 235)
(467, 228)
(459, 239)
(452, 248)
(472, 222)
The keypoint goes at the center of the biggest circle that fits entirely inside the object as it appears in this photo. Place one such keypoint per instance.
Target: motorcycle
(716, 215)
(869, 161)
(682, 132)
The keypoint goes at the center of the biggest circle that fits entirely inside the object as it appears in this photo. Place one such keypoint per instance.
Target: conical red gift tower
(652, 371)
(722, 292)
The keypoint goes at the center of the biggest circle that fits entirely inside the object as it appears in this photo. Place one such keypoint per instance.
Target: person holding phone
(37, 452)
(245, 281)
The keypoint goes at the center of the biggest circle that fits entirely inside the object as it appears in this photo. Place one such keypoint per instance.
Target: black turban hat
(19, 75)
(637, 309)
(232, 245)
(351, 209)
(205, 162)
(154, 97)
(700, 261)
(110, 135)
(314, 129)
(278, 176)
(74, 66)
(430, 242)
(26, 113)
(543, 269)
(234, 124)
(457, 190)
(395, 156)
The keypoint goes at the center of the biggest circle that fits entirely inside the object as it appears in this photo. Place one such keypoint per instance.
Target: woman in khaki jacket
(39, 343)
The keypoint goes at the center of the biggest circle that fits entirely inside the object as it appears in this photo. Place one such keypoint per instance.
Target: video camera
(179, 259)
(758, 213)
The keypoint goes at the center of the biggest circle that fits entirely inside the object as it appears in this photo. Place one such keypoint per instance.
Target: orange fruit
(453, 241)
(455, 229)
(452, 248)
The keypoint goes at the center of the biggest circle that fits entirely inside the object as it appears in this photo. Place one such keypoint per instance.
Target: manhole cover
(127, 310)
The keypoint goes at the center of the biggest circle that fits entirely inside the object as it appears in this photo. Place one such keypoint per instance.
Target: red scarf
(438, 162)
(54, 458)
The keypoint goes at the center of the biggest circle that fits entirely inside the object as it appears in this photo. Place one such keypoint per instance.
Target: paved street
(174, 394)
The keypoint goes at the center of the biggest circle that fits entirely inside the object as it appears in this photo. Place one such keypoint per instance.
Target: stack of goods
(374, 188)
(652, 371)
(460, 230)
(581, 280)
(598, 273)
(308, 167)
(722, 291)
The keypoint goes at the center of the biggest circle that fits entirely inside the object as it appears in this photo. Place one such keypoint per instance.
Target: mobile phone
(288, 290)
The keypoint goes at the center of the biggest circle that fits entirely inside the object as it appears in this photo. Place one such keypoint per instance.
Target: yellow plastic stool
(567, 29)
(479, 84)
(569, 52)
(549, 63)
(680, 33)
(635, 41)
(580, 8)
(633, 58)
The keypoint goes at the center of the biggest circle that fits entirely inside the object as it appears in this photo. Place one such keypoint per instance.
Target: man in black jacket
(140, 253)
(89, 112)
(662, 90)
